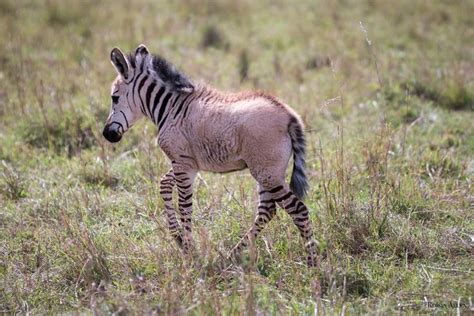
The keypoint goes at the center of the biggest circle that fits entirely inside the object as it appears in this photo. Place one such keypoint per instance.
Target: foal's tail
(299, 182)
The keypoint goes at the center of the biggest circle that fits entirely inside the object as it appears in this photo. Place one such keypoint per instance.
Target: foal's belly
(223, 167)
(217, 153)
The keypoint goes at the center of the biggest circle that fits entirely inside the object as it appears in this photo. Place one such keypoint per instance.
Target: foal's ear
(120, 62)
(142, 50)
(141, 54)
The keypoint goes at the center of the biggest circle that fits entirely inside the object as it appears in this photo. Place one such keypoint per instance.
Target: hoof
(179, 240)
(312, 261)
(235, 255)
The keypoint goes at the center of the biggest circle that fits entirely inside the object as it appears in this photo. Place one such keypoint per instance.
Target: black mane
(167, 72)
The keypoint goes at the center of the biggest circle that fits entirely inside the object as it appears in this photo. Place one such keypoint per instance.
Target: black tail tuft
(299, 182)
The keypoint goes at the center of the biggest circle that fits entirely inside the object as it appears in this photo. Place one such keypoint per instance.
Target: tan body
(223, 136)
(202, 129)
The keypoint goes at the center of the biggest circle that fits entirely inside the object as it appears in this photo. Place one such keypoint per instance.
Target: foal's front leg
(166, 191)
(184, 182)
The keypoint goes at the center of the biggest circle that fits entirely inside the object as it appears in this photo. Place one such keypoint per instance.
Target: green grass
(388, 108)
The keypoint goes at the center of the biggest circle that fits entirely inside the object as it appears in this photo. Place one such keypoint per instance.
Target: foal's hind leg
(300, 215)
(265, 212)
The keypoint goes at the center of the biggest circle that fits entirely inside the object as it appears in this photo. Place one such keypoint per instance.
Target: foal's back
(239, 130)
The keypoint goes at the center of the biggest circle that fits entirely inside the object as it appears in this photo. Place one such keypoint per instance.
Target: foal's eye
(115, 99)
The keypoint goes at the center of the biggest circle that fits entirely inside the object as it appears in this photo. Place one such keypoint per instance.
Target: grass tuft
(63, 134)
(448, 94)
(213, 37)
(12, 183)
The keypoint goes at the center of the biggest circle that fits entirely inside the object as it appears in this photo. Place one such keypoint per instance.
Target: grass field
(385, 89)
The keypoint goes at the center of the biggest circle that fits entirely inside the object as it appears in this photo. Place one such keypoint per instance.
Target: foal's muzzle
(111, 134)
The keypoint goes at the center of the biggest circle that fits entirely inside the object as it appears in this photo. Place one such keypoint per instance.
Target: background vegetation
(385, 89)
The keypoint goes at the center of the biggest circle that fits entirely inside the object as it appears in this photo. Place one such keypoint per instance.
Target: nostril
(111, 135)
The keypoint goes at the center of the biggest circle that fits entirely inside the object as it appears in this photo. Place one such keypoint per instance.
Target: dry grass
(384, 88)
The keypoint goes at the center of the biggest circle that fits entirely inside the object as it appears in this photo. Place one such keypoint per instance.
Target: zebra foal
(200, 128)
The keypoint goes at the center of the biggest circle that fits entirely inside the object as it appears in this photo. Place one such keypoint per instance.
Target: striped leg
(166, 191)
(265, 212)
(300, 215)
(184, 182)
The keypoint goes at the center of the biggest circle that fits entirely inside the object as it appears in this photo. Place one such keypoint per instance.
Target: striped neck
(160, 103)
